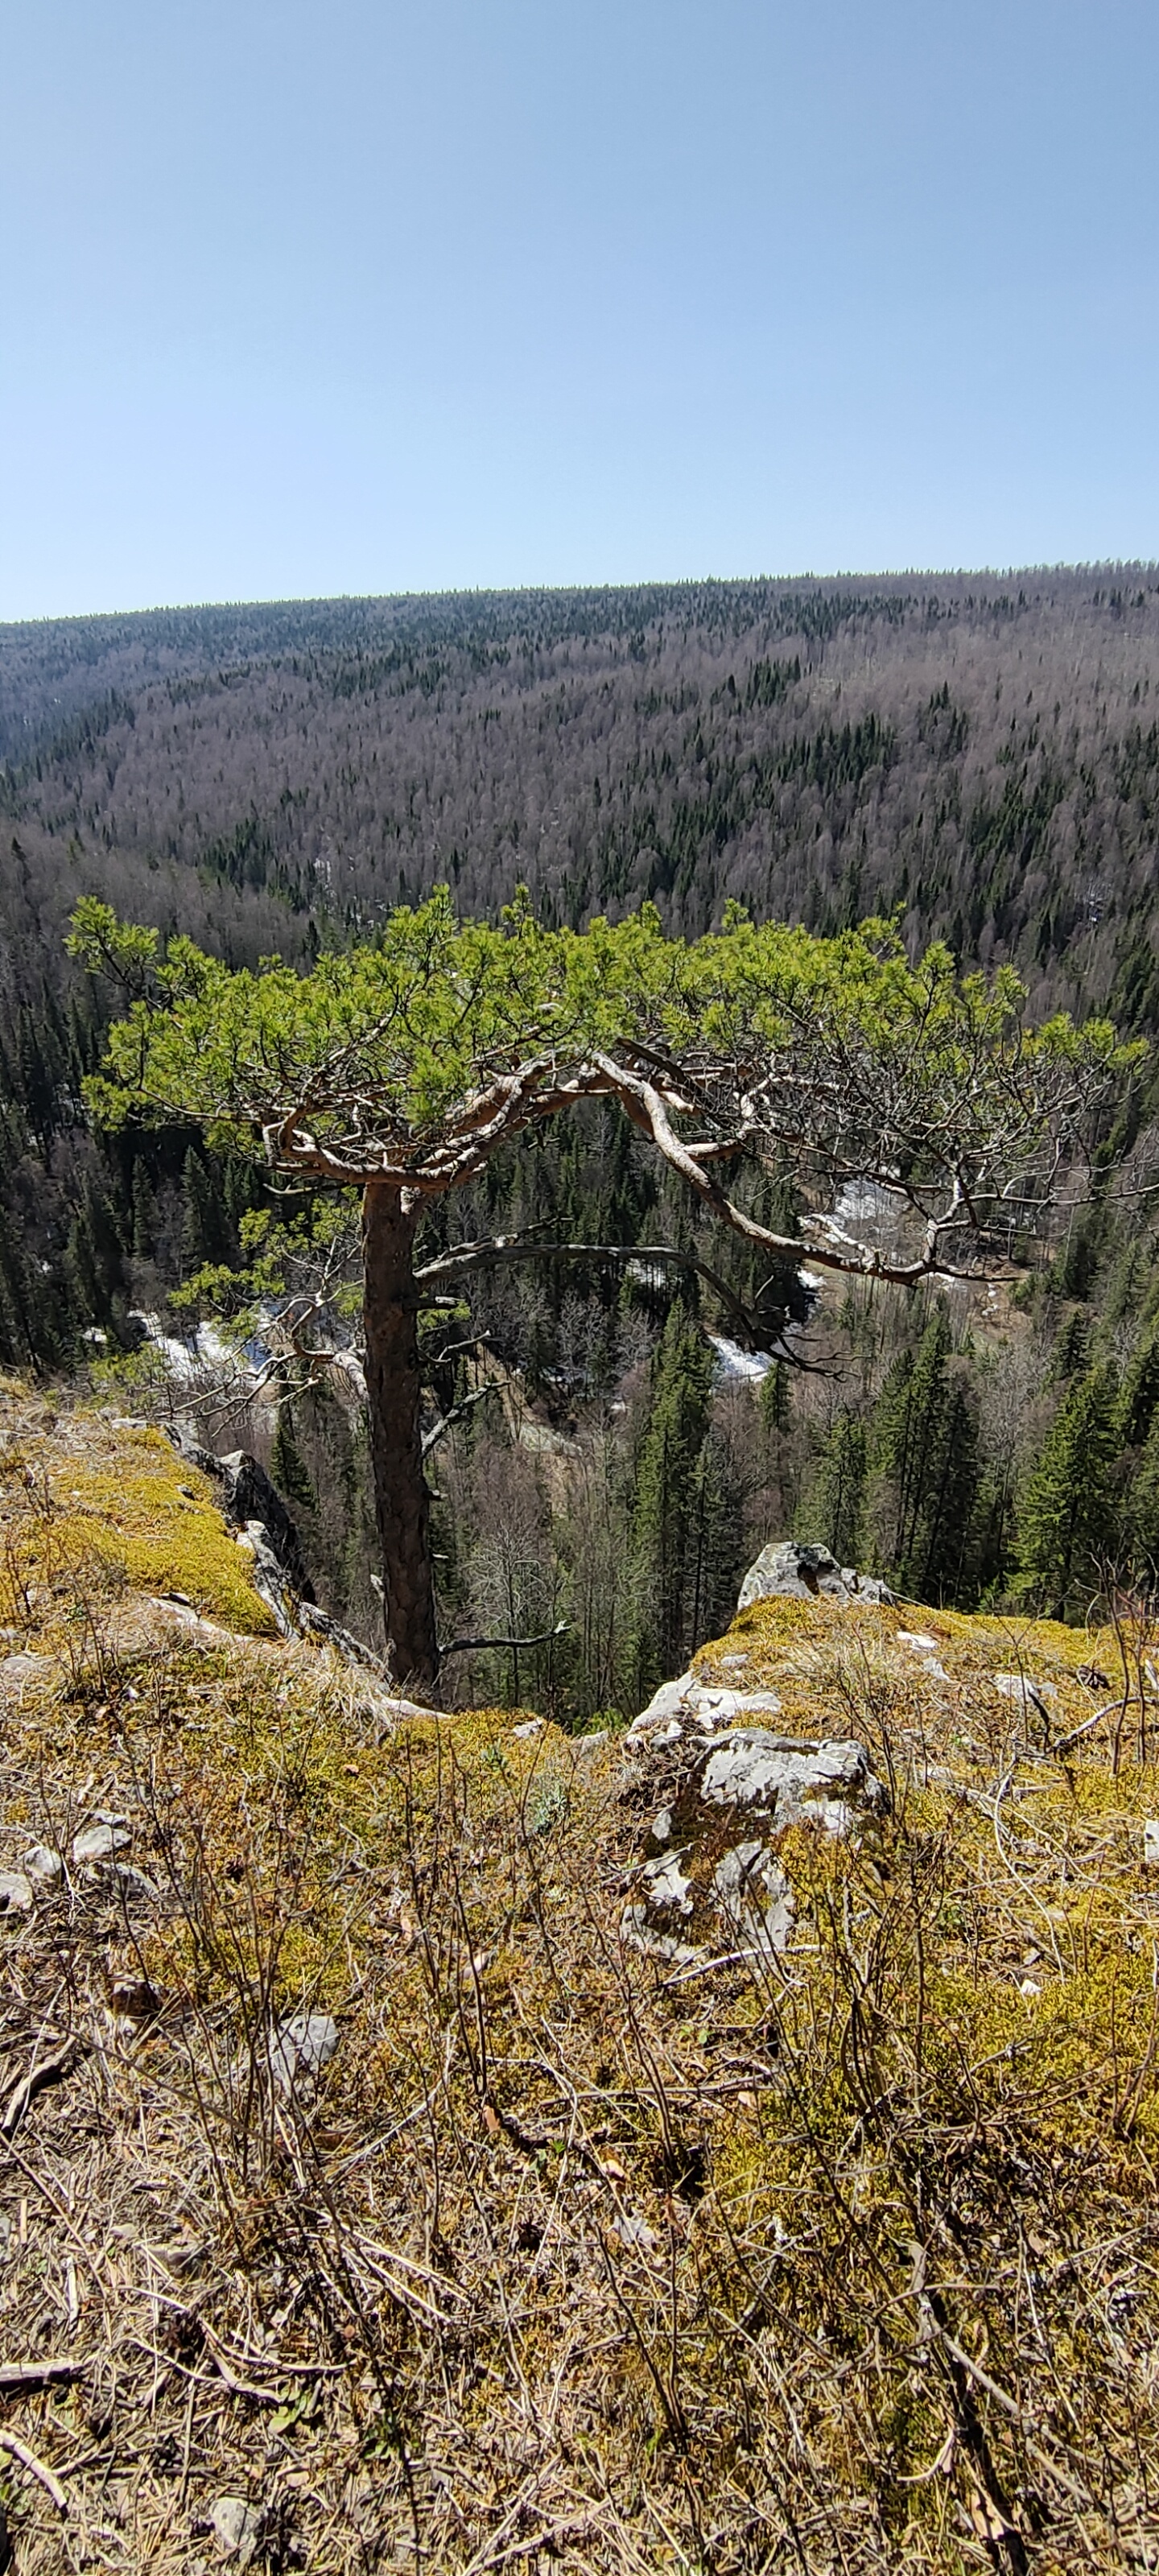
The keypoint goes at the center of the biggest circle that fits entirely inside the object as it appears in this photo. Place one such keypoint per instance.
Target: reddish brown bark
(402, 1501)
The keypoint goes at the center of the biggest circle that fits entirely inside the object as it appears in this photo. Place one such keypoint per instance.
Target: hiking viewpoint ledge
(728, 2144)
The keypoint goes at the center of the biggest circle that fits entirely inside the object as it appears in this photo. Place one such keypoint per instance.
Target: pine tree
(202, 1233)
(38, 1070)
(401, 1070)
(144, 1214)
(774, 1399)
(1141, 1390)
(94, 1258)
(18, 1339)
(892, 1450)
(1075, 1269)
(942, 1567)
(242, 1192)
(1066, 1520)
(1071, 1351)
(1125, 1285)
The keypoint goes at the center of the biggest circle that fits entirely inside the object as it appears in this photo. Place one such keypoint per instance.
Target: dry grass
(572, 2259)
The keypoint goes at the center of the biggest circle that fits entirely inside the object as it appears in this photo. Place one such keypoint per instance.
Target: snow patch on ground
(732, 1362)
(188, 1355)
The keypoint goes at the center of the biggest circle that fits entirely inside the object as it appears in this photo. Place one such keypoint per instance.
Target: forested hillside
(982, 753)
(978, 754)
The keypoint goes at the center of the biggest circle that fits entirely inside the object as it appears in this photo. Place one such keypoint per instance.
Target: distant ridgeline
(977, 753)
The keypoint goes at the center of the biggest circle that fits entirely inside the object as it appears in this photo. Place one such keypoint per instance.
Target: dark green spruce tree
(673, 1505)
(924, 1450)
(287, 1464)
(835, 1511)
(1067, 1523)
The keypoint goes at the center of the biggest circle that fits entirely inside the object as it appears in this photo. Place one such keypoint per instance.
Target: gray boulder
(20, 1668)
(236, 2527)
(43, 1863)
(251, 1496)
(719, 1799)
(303, 2045)
(704, 1706)
(100, 1841)
(782, 1780)
(786, 1571)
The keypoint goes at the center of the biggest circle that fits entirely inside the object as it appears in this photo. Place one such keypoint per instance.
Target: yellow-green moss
(111, 1504)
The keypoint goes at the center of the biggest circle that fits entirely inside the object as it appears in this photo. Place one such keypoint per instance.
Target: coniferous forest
(975, 756)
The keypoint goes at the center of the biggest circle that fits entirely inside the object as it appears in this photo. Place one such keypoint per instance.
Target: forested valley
(976, 757)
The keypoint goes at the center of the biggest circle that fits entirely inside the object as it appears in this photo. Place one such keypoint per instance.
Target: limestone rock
(250, 1495)
(634, 2232)
(720, 1799)
(20, 1668)
(786, 1571)
(254, 1507)
(100, 1841)
(691, 1703)
(925, 1648)
(42, 1863)
(1021, 1687)
(16, 1895)
(790, 1782)
(303, 2044)
(755, 1898)
(1031, 1697)
(235, 2526)
(267, 1574)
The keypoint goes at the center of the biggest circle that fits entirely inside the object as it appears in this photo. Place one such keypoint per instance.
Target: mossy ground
(573, 2259)
(86, 1502)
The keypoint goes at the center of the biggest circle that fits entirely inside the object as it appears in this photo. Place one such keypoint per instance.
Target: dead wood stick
(34, 2374)
(52, 2071)
(36, 2468)
(187, 2445)
(237, 2387)
(229, 2363)
(1011, 2408)
(56, 2203)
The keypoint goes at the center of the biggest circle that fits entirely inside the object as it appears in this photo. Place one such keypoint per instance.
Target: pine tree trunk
(402, 1502)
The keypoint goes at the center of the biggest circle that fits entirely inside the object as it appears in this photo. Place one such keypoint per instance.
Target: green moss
(120, 1506)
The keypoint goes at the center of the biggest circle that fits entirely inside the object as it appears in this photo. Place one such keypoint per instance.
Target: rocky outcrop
(720, 1785)
(720, 1792)
(249, 1496)
(265, 1532)
(692, 1702)
(252, 1505)
(785, 1570)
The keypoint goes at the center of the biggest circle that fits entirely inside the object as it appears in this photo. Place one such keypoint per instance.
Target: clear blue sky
(308, 296)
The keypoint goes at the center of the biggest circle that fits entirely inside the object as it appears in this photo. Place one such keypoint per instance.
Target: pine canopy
(409, 1060)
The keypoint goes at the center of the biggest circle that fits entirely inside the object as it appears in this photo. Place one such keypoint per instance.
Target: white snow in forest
(735, 1363)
